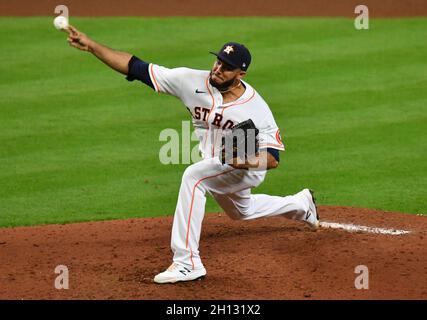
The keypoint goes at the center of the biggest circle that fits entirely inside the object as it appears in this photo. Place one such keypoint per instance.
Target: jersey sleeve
(138, 70)
(269, 135)
(167, 80)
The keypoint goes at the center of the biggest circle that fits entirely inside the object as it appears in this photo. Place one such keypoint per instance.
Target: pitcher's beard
(223, 86)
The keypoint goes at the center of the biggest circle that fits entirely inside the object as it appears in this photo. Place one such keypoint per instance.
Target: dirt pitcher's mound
(272, 258)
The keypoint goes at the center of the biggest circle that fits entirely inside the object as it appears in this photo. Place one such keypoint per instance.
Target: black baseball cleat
(312, 217)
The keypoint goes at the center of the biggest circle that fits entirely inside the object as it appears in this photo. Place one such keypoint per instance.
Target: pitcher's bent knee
(238, 213)
(234, 214)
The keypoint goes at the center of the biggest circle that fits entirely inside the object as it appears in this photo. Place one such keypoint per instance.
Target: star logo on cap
(228, 49)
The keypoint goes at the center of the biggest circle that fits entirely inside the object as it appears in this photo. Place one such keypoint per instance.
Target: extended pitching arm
(117, 60)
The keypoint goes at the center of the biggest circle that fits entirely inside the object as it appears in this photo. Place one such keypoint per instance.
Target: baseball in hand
(60, 22)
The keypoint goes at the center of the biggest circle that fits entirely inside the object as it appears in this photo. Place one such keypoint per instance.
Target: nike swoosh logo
(197, 91)
(308, 215)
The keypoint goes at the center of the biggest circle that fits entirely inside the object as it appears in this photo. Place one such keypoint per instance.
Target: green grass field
(78, 142)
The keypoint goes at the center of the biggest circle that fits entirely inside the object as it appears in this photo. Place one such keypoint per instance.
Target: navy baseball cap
(235, 54)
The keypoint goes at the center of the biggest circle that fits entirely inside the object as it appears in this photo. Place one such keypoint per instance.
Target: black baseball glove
(240, 142)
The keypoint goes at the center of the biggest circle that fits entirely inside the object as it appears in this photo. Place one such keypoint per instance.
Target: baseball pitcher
(221, 103)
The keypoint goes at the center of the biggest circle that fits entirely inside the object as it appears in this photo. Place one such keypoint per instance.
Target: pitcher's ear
(242, 74)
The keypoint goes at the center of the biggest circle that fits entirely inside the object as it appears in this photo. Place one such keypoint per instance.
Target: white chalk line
(357, 228)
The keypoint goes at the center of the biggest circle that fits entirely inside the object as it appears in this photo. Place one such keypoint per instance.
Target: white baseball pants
(232, 190)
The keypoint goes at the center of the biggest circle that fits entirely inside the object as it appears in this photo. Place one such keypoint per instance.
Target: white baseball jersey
(230, 187)
(208, 111)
